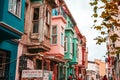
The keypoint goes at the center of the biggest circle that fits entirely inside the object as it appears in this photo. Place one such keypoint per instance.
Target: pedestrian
(105, 77)
(92, 78)
(79, 78)
(70, 77)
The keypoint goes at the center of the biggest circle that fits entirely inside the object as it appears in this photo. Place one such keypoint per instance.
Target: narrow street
(59, 40)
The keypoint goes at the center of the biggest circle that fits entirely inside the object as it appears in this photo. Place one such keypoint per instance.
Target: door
(4, 65)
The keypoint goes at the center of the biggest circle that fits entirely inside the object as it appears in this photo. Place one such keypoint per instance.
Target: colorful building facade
(35, 43)
(11, 29)
(52, 45)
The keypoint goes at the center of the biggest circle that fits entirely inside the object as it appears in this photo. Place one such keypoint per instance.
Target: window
(4, 60)
(62, 36)
(14, 7)
(71, 46)
(81, 41)
(51, 66)
(54, 12)
(65, 44)
(38, 64)
(54, 35)
(1, 60)
(47, 31)
(62, 39)
(46, 66)
(77, 51)
(35, 20)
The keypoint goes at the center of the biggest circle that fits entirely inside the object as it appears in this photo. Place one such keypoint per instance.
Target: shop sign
(47, 75)
(32, 73)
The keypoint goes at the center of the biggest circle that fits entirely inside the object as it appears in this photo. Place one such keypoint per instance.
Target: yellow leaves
(100, 40)
(98, 27)
(115, 51)
(114, 37)
(95, 21)
(95, 15)
(94, 3)
(109, 14)
(103, 33)
(104, 15)
(104, 1)
(107, 25)
(95, 9)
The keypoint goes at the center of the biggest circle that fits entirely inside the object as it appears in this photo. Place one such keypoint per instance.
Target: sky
(82, 12)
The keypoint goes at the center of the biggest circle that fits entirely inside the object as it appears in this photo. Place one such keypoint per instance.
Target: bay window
(65, 44)
(54, 35)
(71, 46)
(35, 20)
(14, 6)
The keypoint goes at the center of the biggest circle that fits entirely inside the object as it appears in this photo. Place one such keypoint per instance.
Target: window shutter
(41, 23)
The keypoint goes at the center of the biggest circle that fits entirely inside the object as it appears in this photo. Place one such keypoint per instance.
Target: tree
(109, 15)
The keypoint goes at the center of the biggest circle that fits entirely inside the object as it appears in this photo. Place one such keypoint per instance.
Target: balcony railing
(59, 11)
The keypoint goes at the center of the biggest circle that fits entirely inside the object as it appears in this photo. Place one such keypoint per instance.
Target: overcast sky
(82, 11)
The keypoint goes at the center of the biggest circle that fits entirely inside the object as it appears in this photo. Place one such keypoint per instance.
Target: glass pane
(62, 41)
(65, 46)
(1, 59)
(54, 30)
(18, 7)
(54, 39)
(35, 27)
(10, 5)
(47, 30)
(14, 6)
(38, 64)
(36, 14)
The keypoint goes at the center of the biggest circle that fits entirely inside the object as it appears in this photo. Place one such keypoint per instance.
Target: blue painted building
(11, 29)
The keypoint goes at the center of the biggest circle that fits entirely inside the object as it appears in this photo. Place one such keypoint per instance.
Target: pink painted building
(82, 54)
(57, 45)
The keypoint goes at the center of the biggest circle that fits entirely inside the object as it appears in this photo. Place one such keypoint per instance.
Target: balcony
(38, 44)
(74, 60)
(56, 12)
(75, 51)
(9, 32)
(51, 2)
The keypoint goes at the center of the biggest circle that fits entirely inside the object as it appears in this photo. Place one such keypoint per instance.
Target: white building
(92, 70)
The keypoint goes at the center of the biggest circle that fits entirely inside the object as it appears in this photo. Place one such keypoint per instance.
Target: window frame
(62, 39)
(71, 45)
(15, 7)
(65, 44)
(39, 64)
(48, 16)
(35, 21)
(3, 60)
(54, 34)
